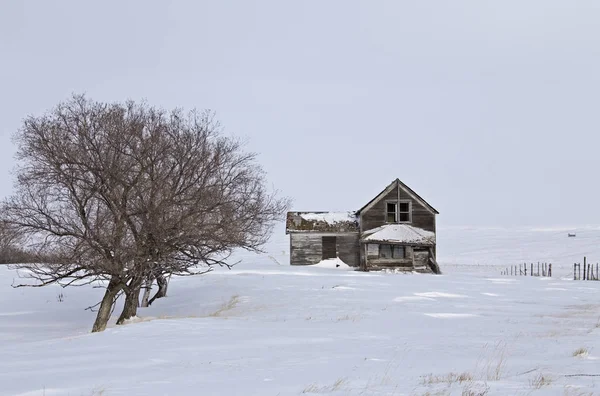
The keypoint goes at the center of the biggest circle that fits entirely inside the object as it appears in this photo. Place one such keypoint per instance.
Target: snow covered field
(265, 328)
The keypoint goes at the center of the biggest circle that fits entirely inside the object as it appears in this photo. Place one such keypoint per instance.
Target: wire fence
(542, 269)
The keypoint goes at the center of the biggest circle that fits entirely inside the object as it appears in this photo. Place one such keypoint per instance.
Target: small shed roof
(399, 234)
(321, 222)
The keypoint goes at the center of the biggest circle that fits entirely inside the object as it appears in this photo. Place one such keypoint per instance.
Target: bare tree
(10, 245)
(127, 193)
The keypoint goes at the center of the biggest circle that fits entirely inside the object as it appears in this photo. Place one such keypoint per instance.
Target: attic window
(391, 212)
(404, 214)
(397, 212)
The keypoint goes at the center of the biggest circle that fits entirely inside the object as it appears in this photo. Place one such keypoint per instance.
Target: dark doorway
(329, 247)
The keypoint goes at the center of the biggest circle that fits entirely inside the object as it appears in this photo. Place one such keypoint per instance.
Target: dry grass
(314, 388)
(540, 381)
(580, 352)
(228, 306)
(575, 391)
(99, 391)
(472, 389)
(490, 367)
(443, 392)
(274, 259)
(466, 380)
(353, 318)
(450, 378)
(492, 364)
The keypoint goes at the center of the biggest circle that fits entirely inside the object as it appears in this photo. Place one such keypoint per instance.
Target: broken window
(391, 212)
(398, 252)
(404, 213)
(398, 212)
(385, 251)
(391, 252)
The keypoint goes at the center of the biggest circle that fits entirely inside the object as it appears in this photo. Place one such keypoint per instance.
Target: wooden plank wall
(307, 248)
(375, 216)
(407, 261)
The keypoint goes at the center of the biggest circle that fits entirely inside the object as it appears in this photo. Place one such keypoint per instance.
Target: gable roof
(406, 189)
(321, 222)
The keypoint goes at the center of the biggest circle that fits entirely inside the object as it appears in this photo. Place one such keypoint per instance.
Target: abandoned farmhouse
(395, 230)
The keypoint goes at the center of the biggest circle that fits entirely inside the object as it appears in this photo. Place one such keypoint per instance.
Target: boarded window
(391, 252)
(329, 247)
(391, 212)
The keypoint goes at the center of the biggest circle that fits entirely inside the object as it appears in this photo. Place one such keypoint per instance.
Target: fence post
(550, 270)
(574, 271)
(525, 267)
(584, 265)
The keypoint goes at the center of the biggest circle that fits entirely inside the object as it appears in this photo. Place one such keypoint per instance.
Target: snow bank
(400, 233)
(332, 263)
(329, 217)
(291, 330)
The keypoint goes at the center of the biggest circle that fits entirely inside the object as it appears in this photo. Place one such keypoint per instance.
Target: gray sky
(489, 110)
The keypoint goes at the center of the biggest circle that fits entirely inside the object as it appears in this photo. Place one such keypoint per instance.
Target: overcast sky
(489, 110)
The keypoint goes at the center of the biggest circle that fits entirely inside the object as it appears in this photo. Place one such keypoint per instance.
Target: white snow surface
(266, 328)
(400, 233)
(335, 263)
(329, 217)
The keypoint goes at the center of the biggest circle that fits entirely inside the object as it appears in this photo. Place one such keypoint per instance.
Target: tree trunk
(132, 295)
(113, 288)
(147, 290)
(163, 283)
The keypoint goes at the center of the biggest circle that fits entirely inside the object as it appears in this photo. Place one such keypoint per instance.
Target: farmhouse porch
(400, 246)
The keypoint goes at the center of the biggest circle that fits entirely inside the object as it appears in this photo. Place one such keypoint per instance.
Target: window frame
(409, 202)
(397, 213)
(387, 213)
(392, 249)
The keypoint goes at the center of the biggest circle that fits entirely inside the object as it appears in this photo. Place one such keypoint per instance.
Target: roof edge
(407, 189)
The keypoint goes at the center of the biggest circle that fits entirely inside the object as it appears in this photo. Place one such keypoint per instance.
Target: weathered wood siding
(375, 216)
(421, 258)
(307, 248)
(407, 261)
